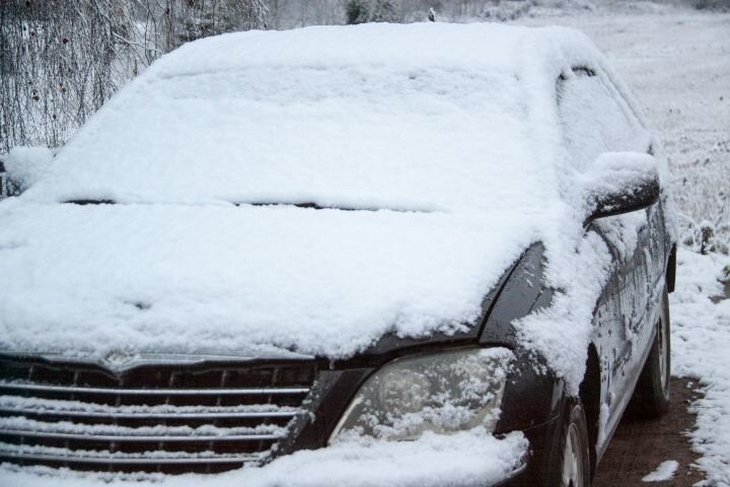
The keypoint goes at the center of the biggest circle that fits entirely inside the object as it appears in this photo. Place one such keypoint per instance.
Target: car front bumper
(467, 458)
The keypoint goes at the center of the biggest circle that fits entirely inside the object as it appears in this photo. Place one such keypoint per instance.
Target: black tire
(572, 461)
(651, 396)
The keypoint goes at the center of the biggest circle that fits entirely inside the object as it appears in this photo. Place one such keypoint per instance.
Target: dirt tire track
(639, 446)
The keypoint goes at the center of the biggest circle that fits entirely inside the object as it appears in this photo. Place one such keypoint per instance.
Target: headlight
(443, 393)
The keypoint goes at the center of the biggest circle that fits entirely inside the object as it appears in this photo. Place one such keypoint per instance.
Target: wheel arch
(671, 273)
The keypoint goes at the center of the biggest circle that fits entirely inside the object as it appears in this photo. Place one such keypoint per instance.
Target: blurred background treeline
(60, 60)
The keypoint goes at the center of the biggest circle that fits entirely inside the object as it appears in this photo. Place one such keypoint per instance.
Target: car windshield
(352, 137)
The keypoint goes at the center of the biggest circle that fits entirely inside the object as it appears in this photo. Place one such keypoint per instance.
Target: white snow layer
(433, 460)
(700, 310)
(235, 154)
(616, 170)
(422, 116)
(454, 126)
(664, 472)
(226, 279)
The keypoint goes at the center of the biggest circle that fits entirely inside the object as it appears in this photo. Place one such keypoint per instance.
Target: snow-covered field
(678, 64)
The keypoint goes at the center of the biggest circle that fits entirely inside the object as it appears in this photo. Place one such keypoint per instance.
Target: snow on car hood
(151, 278)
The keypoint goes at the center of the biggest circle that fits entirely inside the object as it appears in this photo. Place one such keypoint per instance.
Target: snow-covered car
(421, 254)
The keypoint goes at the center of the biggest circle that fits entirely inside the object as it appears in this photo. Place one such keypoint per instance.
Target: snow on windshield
(416, 117)
(344, 136)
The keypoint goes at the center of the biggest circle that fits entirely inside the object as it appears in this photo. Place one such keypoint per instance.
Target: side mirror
(620, 182)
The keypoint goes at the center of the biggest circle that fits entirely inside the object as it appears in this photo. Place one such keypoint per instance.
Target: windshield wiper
(306, 205)
(90, 202)
(315, 206)
(310, 205)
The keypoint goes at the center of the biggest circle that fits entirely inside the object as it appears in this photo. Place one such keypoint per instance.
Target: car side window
(594, 118)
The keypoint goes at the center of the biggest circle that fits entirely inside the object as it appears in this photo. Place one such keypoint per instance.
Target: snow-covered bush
(357, 12)
(701, 190)
(361, 11)
(718, 5)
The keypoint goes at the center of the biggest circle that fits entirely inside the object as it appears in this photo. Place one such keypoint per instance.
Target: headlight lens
(443, 393)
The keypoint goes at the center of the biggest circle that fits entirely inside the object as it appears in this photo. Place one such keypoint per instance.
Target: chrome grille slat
(154, 392)
(132, 460)
(66, 455)
(200, 417)
(136, 437)
(170, 415)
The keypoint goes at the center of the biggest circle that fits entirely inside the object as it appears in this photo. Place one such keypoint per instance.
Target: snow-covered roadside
(701, 337)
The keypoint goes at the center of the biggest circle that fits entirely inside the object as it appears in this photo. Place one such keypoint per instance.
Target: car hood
(96, 279)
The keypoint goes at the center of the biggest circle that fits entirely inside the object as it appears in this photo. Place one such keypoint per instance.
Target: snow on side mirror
(620, 182)
(22, 167)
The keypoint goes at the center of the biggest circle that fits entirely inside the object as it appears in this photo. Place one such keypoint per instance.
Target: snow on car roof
(449, 131)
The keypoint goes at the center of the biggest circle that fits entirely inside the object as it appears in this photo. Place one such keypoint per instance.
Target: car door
(595, 119)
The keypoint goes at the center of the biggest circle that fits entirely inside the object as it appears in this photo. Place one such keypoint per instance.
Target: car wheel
(575, 462)
(651, 396)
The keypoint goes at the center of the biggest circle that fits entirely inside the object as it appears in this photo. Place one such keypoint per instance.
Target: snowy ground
(665, 471)
(678, 64)
(701, 335)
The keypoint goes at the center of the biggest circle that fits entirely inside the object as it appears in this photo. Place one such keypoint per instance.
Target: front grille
(154, 418)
